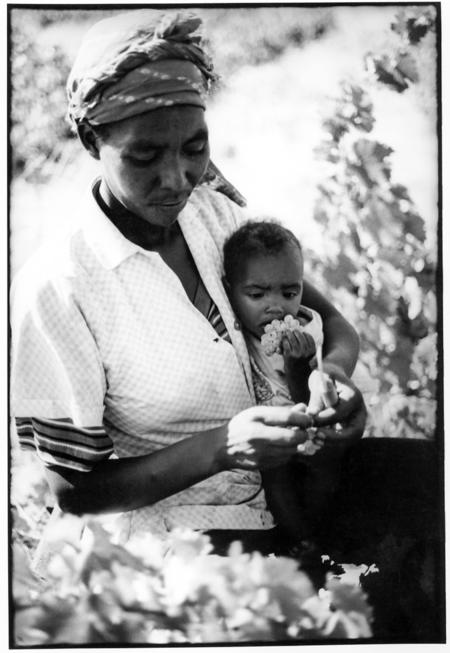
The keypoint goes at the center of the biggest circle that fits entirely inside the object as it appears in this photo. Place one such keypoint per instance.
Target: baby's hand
(297, 345)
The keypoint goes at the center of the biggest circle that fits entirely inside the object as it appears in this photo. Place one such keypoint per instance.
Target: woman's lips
(169, 203)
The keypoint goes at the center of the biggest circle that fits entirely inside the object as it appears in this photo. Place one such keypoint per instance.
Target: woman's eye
(141, 162)
(197, 148)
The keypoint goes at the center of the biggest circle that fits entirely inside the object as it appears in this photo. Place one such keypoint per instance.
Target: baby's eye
(255, 295)
(290, 294)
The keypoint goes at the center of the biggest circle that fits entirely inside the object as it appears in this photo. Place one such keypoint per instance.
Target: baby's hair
(255, 238)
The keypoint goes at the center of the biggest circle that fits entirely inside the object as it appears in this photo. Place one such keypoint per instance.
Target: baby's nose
(275, 309)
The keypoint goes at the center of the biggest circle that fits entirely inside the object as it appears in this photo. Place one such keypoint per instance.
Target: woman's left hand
(348, 414)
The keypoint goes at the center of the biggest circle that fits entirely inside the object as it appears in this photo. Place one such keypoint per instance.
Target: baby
(263, 276)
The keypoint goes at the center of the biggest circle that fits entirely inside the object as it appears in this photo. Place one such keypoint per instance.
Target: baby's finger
(346, 391)
(310, 344)
(286, 344)
(325, 416)
(293, 343)
(339, 412)
(301, 345)
(353, 429)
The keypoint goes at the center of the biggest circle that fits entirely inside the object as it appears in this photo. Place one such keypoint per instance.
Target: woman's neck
(133, 227)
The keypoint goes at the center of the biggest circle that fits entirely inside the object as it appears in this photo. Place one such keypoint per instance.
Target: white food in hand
(273, 333)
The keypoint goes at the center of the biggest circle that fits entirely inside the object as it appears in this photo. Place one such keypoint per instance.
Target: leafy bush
(101, 592)
(98, 591)
(378, 263)
(39, 133)
(249, 37)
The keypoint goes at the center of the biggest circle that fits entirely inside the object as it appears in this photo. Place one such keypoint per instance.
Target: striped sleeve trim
(215, 319)
(62, 443)
(50, 459)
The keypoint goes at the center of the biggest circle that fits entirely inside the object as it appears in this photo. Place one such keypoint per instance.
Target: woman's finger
(282, 416)
(301, 407)
(275, 436)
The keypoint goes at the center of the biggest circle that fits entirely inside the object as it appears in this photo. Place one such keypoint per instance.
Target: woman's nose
(173, 175)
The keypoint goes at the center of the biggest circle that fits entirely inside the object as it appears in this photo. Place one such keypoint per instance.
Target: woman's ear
(89, 139)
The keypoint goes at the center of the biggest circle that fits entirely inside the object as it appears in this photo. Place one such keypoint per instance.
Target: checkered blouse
(105, 336)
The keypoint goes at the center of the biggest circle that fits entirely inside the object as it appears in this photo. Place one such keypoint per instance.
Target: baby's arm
(296, 342)
(298, 349)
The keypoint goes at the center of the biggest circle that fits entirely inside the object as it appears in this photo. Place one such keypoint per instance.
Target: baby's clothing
(268, 373)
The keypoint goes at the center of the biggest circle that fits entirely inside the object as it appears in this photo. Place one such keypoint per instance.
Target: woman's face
(267, 287)
(152, 162)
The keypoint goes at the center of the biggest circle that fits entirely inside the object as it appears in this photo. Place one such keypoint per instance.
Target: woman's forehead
(161, 126)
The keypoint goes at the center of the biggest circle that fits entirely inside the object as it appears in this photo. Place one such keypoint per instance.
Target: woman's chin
(163, 215)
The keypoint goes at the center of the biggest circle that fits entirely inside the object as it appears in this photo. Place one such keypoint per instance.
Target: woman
(124, 340)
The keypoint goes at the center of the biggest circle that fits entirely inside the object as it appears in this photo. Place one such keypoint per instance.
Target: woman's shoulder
(52, 268)
(216, 209)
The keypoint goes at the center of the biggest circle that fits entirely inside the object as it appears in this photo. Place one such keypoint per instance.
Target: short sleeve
(61, 443)
(56, 370)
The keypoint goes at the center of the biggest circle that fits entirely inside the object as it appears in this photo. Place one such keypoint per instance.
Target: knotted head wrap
(133, 63)
(138, 61)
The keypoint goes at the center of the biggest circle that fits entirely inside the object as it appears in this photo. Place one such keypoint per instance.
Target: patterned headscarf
(138, 61)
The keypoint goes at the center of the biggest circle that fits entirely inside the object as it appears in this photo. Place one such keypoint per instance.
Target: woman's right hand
(263, 436)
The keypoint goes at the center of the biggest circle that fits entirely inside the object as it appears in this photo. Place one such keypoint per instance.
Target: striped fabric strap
(60, 442)
(215, 319)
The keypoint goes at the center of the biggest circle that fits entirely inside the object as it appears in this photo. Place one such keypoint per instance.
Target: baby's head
(263, 265)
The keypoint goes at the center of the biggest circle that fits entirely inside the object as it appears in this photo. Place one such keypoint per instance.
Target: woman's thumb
(315, 404)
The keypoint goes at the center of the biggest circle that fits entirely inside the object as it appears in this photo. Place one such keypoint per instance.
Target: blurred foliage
(38, 133)
(260, 34)
(30, 496)
(377, 261)
(147, 591)
(400, 66)
(100, 592)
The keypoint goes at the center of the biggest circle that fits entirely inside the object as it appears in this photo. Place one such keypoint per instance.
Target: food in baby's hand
(274, 332)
